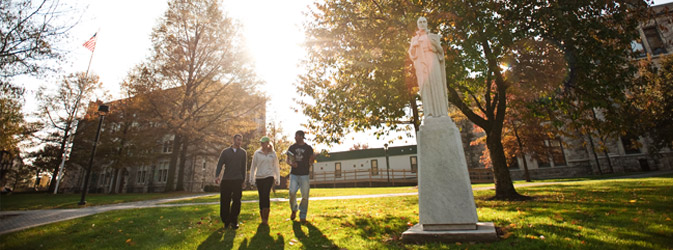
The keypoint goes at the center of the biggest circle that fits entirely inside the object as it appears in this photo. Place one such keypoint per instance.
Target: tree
(62, 108)
(359, 146)
(652, 102)
(29, 30)
(357, 74)
(280, 144)
(128, 137)
(197, 78)
(11, 118)
(353, 44)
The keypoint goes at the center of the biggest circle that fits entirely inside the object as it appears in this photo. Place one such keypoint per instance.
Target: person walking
(234, 159)
(264, 173)
(300, 158)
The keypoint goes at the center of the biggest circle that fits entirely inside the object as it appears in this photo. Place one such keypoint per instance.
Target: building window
(513, 163)
(654, 40)
(168, 146)
(375, 167)
(556, 150)
(138, 176)
(630, 144)
(337, 170)
(164, 175)
(638, 49)
(204, 165)
(543, 161)
(163, 171)
(414, 164)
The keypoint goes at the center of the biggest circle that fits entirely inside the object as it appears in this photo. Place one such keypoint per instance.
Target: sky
(273, 31)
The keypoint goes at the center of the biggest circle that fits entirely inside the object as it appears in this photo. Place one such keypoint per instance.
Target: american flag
(91, 44)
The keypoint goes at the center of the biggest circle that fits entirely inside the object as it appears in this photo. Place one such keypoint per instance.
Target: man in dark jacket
(234, 159)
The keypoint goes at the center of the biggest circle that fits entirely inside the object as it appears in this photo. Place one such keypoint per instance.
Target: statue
(428, 57)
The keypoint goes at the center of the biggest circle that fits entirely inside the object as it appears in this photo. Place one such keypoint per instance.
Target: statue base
(484, 232)
(445, 198)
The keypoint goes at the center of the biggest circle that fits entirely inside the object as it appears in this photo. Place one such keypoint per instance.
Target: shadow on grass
(263, 240)
(220, 239)
(387, 230)
(315, 238)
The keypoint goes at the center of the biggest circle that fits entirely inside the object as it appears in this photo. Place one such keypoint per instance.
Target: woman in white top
(264, 172)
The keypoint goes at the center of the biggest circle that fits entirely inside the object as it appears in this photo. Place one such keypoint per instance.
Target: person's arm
(220, 162)
(245, 168)
(312, 158)
(412, 48)
(290, 162)
(253, 168)
(276, 171)
(435, 40)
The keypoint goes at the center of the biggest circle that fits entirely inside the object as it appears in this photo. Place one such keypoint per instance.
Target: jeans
(230, 201)
(299, 182)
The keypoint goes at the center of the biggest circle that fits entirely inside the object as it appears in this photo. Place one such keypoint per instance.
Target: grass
(315, 192)
(31, 201)
(596, 214)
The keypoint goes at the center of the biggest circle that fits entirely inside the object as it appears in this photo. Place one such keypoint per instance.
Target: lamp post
(102, 111)
(385, 148)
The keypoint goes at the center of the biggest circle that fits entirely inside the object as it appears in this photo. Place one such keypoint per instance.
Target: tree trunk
(607, 157)
(593, 150)
(504, 188)
(416, 119)
(64, 142)
(181, 165)
(526, 174)
(172, 164)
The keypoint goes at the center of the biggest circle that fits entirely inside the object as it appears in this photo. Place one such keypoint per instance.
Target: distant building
(148, 168)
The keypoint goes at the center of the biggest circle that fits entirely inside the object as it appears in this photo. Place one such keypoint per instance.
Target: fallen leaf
(633, 201)
(506, 235)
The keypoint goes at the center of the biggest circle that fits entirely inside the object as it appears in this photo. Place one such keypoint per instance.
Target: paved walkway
(12, 221)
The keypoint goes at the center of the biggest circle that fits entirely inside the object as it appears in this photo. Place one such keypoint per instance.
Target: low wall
(552, 173)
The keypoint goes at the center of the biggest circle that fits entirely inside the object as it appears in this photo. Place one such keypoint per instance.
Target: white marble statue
(428, 57)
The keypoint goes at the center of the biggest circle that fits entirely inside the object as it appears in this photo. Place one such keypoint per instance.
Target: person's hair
(238, 135)
(301, 133)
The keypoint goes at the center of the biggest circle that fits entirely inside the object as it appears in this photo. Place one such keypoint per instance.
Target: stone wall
(552, 173)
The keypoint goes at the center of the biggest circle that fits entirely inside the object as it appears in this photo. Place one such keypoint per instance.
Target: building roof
(367, 153)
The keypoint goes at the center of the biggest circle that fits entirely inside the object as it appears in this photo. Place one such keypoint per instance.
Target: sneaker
(293, 215)
(234, 226)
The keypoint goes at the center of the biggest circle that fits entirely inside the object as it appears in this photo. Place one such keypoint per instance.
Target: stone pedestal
(485, 232)
(445, 198)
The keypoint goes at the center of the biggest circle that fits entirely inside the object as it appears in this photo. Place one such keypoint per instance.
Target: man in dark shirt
(234, 159)
(301, 158)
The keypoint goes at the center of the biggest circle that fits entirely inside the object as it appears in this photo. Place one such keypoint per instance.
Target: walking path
(11, 221)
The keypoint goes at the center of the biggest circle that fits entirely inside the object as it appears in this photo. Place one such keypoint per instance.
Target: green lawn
(314, 192)
(30, 201)
(597, 214)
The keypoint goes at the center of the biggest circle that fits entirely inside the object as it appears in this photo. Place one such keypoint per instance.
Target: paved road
(11, 221)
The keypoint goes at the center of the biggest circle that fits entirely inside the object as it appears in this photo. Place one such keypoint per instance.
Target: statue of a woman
(428, 57)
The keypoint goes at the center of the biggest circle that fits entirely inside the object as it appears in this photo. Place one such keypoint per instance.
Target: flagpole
(91, 58)
(70, 138)
(88, 67)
